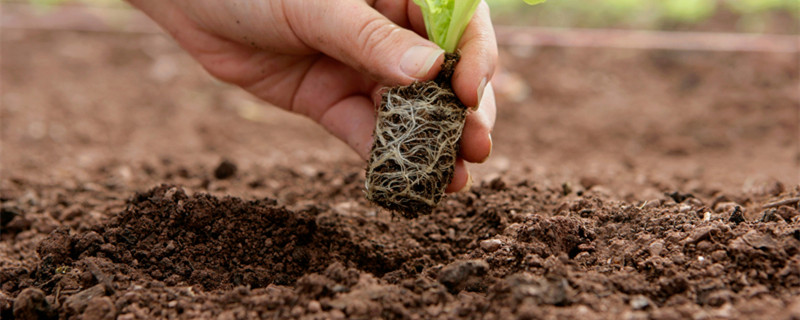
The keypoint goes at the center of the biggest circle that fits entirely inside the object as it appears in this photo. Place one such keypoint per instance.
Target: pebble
(297, 311)
(639, 302)
(656, 247)
(337, 314)
(314, 306)
(491, 245)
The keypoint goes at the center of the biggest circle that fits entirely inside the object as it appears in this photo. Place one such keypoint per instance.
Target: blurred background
(759, 16)
(630, 98)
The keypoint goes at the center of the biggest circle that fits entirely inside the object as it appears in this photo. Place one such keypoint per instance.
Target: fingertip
(476, 139)
(461, 178)
(490, 148)
(476, 145)
(422, 62)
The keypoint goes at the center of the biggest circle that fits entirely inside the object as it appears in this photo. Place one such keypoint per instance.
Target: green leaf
(446, 20)
(462, 14)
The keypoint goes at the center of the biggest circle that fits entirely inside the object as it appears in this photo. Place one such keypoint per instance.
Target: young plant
(446, 20)
(418, 127)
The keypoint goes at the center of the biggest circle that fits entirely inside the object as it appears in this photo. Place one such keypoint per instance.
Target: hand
(328, 59)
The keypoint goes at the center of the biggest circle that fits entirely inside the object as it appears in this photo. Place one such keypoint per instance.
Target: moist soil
(624, 184)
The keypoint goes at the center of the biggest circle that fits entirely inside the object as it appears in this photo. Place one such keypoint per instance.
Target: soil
(414, 154)
(624, 184)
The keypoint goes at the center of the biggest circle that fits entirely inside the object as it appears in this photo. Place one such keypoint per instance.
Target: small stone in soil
(639, 302)
(458, 275)
(225, 170)
(314, 306)
(491, 245)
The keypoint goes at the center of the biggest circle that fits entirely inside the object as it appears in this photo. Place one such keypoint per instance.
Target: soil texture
(624, 184)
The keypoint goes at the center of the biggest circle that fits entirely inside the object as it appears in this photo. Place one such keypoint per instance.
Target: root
(416, 144)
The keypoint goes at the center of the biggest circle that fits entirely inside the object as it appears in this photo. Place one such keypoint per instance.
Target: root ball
(416, 145)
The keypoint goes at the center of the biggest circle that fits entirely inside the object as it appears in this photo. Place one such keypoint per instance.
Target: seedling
(418, 127)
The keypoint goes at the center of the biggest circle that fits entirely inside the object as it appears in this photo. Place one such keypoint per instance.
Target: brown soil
(624, 184)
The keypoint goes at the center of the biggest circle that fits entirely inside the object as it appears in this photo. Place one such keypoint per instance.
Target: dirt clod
(31, 304)
(77, 303)
(225, 170)
(679, 197)
(8, 213)
(100, 308)
(737, 216)
(460, 275)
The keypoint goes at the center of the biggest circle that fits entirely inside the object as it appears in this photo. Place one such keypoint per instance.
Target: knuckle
(373, 34)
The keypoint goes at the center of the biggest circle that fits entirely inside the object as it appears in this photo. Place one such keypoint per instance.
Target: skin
(327, 60)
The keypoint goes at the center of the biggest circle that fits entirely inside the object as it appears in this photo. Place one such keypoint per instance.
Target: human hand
(327, 60)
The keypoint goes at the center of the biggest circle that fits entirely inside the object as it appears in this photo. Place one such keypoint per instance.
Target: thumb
(361, 37)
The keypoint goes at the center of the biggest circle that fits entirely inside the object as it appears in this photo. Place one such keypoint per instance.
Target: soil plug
(418, 126)
(416, 144)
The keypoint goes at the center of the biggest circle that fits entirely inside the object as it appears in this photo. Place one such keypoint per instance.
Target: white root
(416, 144)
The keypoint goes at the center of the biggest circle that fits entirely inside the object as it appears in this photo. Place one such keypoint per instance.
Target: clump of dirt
(214, 242)
(416, 144)
(221, 243)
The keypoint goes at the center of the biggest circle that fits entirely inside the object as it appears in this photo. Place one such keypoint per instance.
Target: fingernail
(481, 88)
(491, 148)
(468, 185)
(418, 61)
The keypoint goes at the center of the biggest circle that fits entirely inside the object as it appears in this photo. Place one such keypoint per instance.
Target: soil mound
(221, 242)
